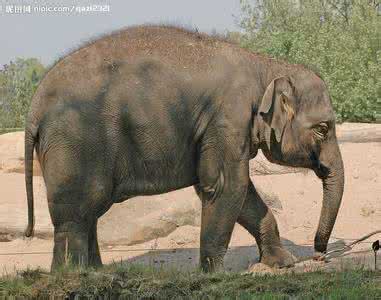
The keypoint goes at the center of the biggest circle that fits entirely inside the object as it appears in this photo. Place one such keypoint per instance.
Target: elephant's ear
(276, 108)
(267, 99)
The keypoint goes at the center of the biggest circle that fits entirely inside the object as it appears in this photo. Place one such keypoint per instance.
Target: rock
(262, 269)
(12, 154)
(271, 199)
(261, 166)
(185, 236)
(359, 133)
(129, 223)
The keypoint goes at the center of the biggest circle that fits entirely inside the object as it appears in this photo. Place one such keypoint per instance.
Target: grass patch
(7, 130)
(127, 281)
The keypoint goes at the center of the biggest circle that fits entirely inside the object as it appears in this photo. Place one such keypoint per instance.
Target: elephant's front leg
(258, 219)
(222, 191)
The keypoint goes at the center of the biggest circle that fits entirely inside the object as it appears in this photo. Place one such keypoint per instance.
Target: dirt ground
(164, 229)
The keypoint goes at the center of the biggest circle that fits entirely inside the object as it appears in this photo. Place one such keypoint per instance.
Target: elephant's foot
(319, 256)
(95, 260)
(278, 258)
(70, 248)
(211, 263)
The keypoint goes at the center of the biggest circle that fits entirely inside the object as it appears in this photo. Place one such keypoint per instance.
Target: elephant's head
(297, 128)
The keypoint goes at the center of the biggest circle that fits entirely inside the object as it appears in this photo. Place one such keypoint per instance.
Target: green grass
(6, 130)
(127, 281)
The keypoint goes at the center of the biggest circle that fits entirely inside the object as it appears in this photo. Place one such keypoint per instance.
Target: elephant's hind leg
(75, 202)
(75, 238)
(258, 219)
(94, 253)
(76, 167)
(70, 244)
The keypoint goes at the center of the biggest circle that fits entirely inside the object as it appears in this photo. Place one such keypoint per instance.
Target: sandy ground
(124, 230)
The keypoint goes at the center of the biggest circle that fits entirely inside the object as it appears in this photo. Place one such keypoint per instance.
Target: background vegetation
(339, 38)
(18, 82)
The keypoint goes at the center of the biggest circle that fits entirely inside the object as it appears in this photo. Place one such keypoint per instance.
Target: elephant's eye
(321, 130)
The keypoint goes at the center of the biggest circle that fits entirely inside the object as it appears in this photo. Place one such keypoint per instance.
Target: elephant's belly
(152, 178)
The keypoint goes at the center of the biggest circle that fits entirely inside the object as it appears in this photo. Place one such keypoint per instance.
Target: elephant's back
(84, 73)
(88, 66)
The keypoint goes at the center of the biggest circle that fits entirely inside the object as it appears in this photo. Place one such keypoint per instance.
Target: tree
(340, 38)
(18, 82)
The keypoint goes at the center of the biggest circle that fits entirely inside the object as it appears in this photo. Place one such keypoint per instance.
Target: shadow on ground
(236, 259)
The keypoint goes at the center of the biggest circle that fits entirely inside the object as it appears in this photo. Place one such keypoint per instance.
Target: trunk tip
(29, 231)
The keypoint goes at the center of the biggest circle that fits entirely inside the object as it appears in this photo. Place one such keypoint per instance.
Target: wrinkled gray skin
(152, 109)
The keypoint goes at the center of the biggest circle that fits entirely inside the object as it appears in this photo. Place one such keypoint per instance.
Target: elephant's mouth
(319, 168)
(322, 172)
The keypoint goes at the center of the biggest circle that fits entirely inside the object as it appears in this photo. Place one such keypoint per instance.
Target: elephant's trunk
(333, 188)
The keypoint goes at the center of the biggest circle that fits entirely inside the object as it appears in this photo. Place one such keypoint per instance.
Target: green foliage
(18, 82)
(122, 281)
(340, 38)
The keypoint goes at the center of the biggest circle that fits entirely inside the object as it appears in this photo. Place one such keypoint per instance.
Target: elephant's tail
(30, 141)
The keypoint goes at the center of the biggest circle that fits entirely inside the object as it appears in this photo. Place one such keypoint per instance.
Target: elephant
(151, 109)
